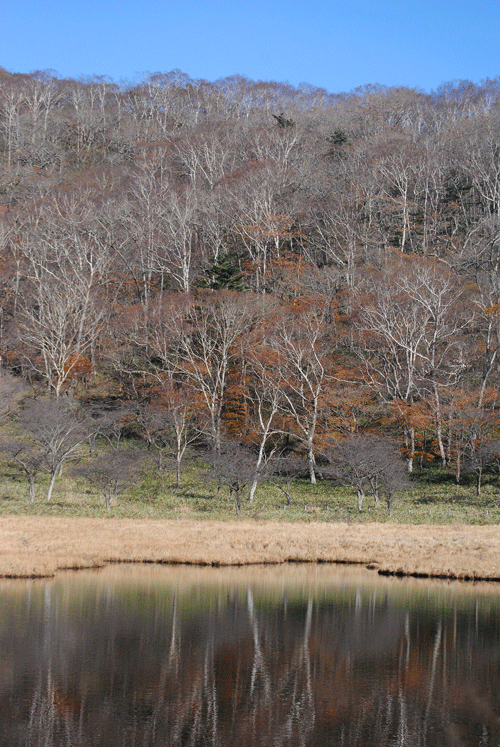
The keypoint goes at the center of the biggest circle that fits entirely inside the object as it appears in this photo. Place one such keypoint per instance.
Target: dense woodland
(253, 269)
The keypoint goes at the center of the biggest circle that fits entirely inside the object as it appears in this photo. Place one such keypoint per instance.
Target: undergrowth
(432, 499)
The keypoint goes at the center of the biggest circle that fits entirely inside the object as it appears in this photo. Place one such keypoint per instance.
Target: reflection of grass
(433, 500)
(145, 588)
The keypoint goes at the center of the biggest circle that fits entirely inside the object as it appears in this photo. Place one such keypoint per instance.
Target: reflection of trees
(259, 669)
(296, 680)
(131, 668)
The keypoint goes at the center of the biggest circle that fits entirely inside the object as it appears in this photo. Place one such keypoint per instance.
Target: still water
(140, 656)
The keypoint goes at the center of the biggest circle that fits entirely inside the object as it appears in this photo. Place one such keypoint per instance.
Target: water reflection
(300, 655)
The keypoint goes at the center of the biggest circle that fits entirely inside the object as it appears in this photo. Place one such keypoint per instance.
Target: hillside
(254, 270)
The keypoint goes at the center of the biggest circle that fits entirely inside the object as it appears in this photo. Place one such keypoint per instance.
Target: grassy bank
(435, 499)
(436, 528)
(40, 545)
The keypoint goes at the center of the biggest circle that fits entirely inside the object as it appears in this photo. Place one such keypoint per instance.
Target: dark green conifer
(223, 273)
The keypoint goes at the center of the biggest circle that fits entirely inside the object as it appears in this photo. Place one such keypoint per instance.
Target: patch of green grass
(432, 500)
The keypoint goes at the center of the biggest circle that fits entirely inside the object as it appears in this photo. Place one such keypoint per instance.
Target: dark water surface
(289, 655)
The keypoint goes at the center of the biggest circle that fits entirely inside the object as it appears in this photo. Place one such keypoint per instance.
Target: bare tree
(167, 424)
(66, 260)
(110, 423)
(234, 466)
(299, 343)
(12, 390)
(208, 153)
(55, 428)
(283, 469)
(161, 219)
(257, 212)
(27, 457)
(265, 399)
(204, 341)
(411, 325)
(111, 472)
(364, 462)
(167, 412)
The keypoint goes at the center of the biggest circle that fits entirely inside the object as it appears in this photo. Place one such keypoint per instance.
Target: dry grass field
(32, 546)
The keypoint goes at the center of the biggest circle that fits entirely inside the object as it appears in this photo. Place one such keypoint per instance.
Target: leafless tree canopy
(111, 472)
(286, 267)
(367, 463)
(232, 465)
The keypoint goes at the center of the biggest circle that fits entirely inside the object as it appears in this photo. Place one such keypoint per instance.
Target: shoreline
(37, 547)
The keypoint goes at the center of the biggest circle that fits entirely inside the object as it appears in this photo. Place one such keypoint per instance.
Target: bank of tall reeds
(40, 546)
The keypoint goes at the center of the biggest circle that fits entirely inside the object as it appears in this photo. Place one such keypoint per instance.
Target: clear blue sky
(331, 44)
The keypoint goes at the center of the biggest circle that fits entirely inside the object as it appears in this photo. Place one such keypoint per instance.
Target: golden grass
(32, 546)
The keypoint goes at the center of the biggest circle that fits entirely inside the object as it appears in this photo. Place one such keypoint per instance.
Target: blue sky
(330, 44)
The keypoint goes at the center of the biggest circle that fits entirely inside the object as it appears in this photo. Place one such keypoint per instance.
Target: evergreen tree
(223, 273)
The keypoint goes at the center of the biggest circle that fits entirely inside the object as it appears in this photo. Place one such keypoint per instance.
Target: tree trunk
(178, 473)
(361, 495)
(260, 459)
(53, 476)
(237, 499)
(312, 464)
(253, 487)
(409, 441)
(439, 426)
(458, 468)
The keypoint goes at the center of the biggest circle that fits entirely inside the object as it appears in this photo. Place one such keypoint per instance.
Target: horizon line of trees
(241, 261)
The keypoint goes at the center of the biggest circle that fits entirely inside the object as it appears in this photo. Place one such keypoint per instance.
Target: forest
(282, 280)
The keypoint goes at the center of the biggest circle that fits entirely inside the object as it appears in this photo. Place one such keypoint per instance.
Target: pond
(280, 655)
